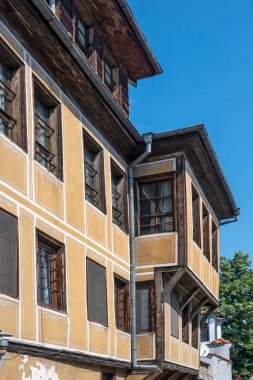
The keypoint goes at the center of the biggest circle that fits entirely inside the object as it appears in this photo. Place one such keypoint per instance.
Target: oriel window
(119, 197)
(156, 207)
(122, 309)
(145, 307)
(94, 173)
(47, 123)
(12, 97)
(50, 273)
(195, 216)
(8, 254)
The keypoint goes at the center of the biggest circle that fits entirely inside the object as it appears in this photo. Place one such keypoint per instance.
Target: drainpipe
(235, 218)
(148, 141)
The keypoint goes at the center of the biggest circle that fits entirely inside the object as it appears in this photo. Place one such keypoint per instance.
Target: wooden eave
(124, 37)
(41, 42)
(195, 144)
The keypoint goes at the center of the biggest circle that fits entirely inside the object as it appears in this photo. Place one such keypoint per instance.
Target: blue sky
(205, 48)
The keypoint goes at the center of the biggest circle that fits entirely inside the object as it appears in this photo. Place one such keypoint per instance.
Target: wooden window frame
(78, 19)
(151, 287)
(178, 314)
(90, 319)
(99, 189)
(119, 194)
(205, 232)
(16, 295)
(110, 85)
(196, 236)
(215, 263)
(195, 332)
(17, 70)
(67, 20)
(151, 179)
(54, 131)
(186, 324)
(119, 282)
(58, 301)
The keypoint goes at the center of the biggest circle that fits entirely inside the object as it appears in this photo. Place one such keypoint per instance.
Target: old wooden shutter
(124, 101)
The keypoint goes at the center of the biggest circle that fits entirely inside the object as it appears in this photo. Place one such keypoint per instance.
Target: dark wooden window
(156, 207)
(195, 332)
(174, 313)
(124, 96)
(119, 197)
(185, 324)
(215, 246)
(145, 307)
(108, 75)
(82, 35)
(47, 124)
(12, 97)
(205, 227)
(122, 307)
(204, 335)
(108, 376)
(64, 10)
(97, 294)
(8, 254)
(94, 173)
(195, 216)
(50, 272)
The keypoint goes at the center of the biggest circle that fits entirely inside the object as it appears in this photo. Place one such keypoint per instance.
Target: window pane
(8, 254)
(174, 311)
(97, 295)
(143, 307)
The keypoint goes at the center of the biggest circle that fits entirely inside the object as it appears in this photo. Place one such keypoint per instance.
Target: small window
(108, 376)
(119, 198)
(94, 173)
(121, 289)
(50, 272)
(82, 34)
(12, 98)
(156, 207)
(195, 216)
(174, 313)
(108, 75)
(144, 307)
(47, 123)
(97, 294)
(65, 13)
(185, 324)
(205, 226)
(195, 332)
(204, 334)
(8, 254)
(214, 246)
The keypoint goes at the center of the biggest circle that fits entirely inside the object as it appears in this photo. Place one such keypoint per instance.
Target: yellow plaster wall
(160, 249)
(123, 344)
(9, 316)
(52, 327)
(95, 222)
(98, 338)
(120, 243)
(145, 343)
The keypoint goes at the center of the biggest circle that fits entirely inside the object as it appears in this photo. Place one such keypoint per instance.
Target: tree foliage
(236, 306)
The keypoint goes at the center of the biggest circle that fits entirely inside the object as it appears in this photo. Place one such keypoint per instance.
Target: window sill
(98, 324)
(123, 332)
(9, 140)
(51, 309)
(156, 234)
(120, 229)
(48, 172)
(9, 297)
(95, 208)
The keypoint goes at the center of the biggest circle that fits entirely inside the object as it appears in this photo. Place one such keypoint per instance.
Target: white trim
(155, 265)
(148, 236)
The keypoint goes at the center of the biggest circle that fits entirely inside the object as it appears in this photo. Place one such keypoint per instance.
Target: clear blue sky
(205, 48)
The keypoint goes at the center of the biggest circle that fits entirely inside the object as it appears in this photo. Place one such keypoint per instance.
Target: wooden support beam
(173, 281)
(189, 296)
(206, 315)
(174, 376)
(197, 308)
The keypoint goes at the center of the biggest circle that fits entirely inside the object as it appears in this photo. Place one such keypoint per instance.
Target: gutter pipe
(235, 218)
(148, 141)
(84, 64)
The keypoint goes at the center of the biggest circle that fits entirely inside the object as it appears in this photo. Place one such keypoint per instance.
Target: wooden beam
(206, 315)
(173, 281)
(197, 308)
(189, 296)
(173, 376)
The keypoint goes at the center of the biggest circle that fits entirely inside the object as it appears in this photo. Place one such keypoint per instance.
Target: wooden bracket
(197, 308)
(189, 296)
(173, 281)
(206, 315)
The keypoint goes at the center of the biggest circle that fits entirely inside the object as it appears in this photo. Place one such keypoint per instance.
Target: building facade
(109, 239)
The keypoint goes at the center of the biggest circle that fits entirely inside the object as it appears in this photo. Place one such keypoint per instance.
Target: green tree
(236, 306)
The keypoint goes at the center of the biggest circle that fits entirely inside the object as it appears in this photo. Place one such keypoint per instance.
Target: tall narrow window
(185, 324)
(119, 198)
(50, 273)
(144, 307)
(97, 294)
(47, 122)
(156, 207)
(195, 216)
(94, 173)
(108, 376)
(174, 313)
(65, 13)
(8, 254)
(12, 98)
(121, 290)
(195, 332)
(108, 75)
(214, 246)
(82, 35)
(205, 227)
